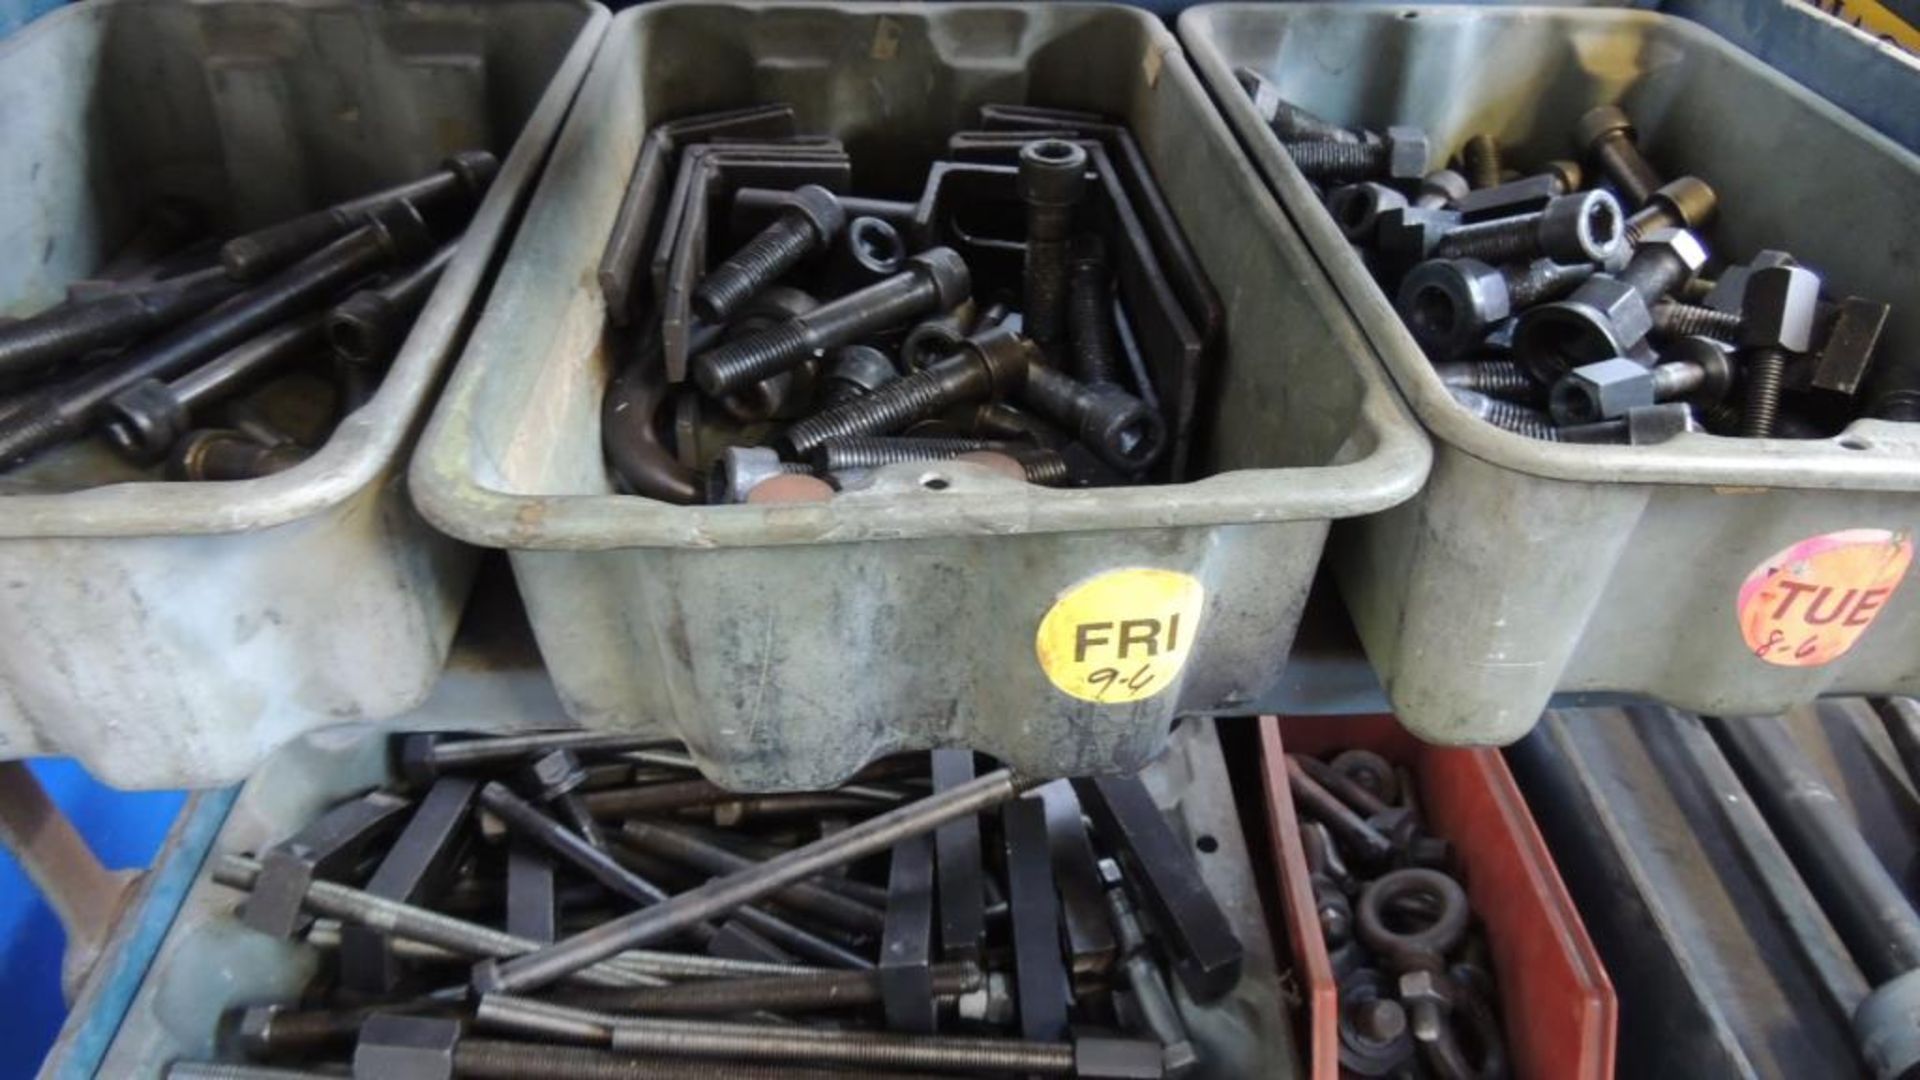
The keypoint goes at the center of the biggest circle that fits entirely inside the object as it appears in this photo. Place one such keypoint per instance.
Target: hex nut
(991, 1004)
(1778, 308)
(740, 470)
(1601, 391)
(1602, 319)
(1679, 244)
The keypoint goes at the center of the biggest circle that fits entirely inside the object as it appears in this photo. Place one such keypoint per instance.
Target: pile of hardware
(162, 352)
(1035, 309)
(1416, 983)
(586, 905)
(1575, 312)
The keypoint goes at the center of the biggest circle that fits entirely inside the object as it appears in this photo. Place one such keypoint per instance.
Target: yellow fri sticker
(1122, 636)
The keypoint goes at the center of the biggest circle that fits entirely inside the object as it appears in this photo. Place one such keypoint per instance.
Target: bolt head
(1448, 304)
(1778, 308)
(145, 420)
(1600, 320)
(1600, 122)
(255, 1032)
(1008, 357)
(1676, 244)
(553, 774)
(1567, 174)
(1445, 184)
(1688, 198)
(1602, 391)
(1423, 985)
(474, 168)
(416, 758)
(875, 247)
(991, 1004)
(1053, 172)
(402, 230)
(1583, 228)
(863, 367)
(1356, 208)
(739, 470)
(1407, 153)
(821, 209)
(951, 281)
(1122, 429)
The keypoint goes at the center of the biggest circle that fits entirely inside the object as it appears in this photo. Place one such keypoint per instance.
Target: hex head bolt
(1374, 1035)
(218, 454)
(1501, 379)
(1686, 202)
(1402, 155)
(855, 372)
(1607, 137)
(254, 255)
(1095, 353)
(1585, 227)
(807, 224)
(1449, 305)
(1150, 993)
(61, 411)
(1607, 315)
(935, 279)
(555, 778)
(1480, 156)
(1644, 425)
(145, 419)
(723, 894)
(1701, 372)
(1052, 181)
(1506, 415)
(990, 364)
(1777, 317)
(72, 330)
(368, 327)
(1124, 431)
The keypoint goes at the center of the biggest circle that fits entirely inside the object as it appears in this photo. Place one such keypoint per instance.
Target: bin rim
(370, 442)
(1869, 455)
(1389, 467)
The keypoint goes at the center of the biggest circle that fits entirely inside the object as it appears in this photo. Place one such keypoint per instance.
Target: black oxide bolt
(62, 411)
(72, 330)
(856, 371)
(1090, 313)
(145, 419)
(555, 778)
(1686, 202)
(1495, 378)
(256, 254)
(1053, 178)
(935, 279)
(990, 364)
(1123, 430)
(1607, 135)
(1481, 156)
(1402, 155)
(1507, 415)
(808, 224)
(369, 326)
(871, 452)
(774, 993)
(219, 454)
(1586, 227)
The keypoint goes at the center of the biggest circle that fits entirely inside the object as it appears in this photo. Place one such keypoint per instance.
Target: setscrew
(990, 364)
(1585, 227)
(220, 454)
(1607, 136)
(1506, 415)
(1053, 178)
(1675, 319)
(1687, 202)
(143, 420)
(807, 224)
(935, 279)
(856, 371)
(1123, 430)
(1090, 313)
(1402, 155)
(871, 452)
(1495, 378)
(70, 330)
(254, 255)
(59, 412)
(776, 994)
(368, 327)
(1481, 158)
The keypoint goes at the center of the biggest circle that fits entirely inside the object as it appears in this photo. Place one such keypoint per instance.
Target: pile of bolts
(1416, 981)
(1035, 311)
(161, 352)
(586, 905)
(1577, 311)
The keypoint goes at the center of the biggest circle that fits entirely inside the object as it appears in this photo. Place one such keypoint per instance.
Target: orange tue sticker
(1809, 604)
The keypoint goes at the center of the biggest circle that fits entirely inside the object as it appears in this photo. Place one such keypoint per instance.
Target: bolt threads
(759, 263)
(1693, 320)
(1507, 416)
(934, 1053)
(1500, 241)
(872, 452)
(747, 360)
(1481, 156)
(1502, 379)
(1090, 324)
(1044, 466)
(744, 361)
(1294, 124)
(895, 405)
(1766, 371)
(492, 1059)
(1330, 161)
(1543, 279)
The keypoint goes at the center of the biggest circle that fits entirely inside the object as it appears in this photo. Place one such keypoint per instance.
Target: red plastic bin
(1557, 1007)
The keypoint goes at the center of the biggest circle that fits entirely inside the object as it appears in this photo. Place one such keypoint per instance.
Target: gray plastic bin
(1527, 567)
(787, 645)
(171, 634)
(209, 962)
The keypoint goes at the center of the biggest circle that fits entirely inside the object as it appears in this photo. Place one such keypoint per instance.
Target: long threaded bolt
(72, 330)
(1675, 319)
(803, 898)
(368, 327)
(990, 364)
(426, 756)
(1090, 313)
(1126, 432)
(1053, 178)
(215, 454)
(1608, 137)
(1332, 162)
(487, 1059)
(1481, 157)
(935, 279)
(1507, 415)
(220, 1070)
(1502, 379)
(871, 452)
(1766, 371)
(1572, 229)
(146, 418)
(724, 894)
(61, 411)
(778, 994)
(808, 224)
(254, 255)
